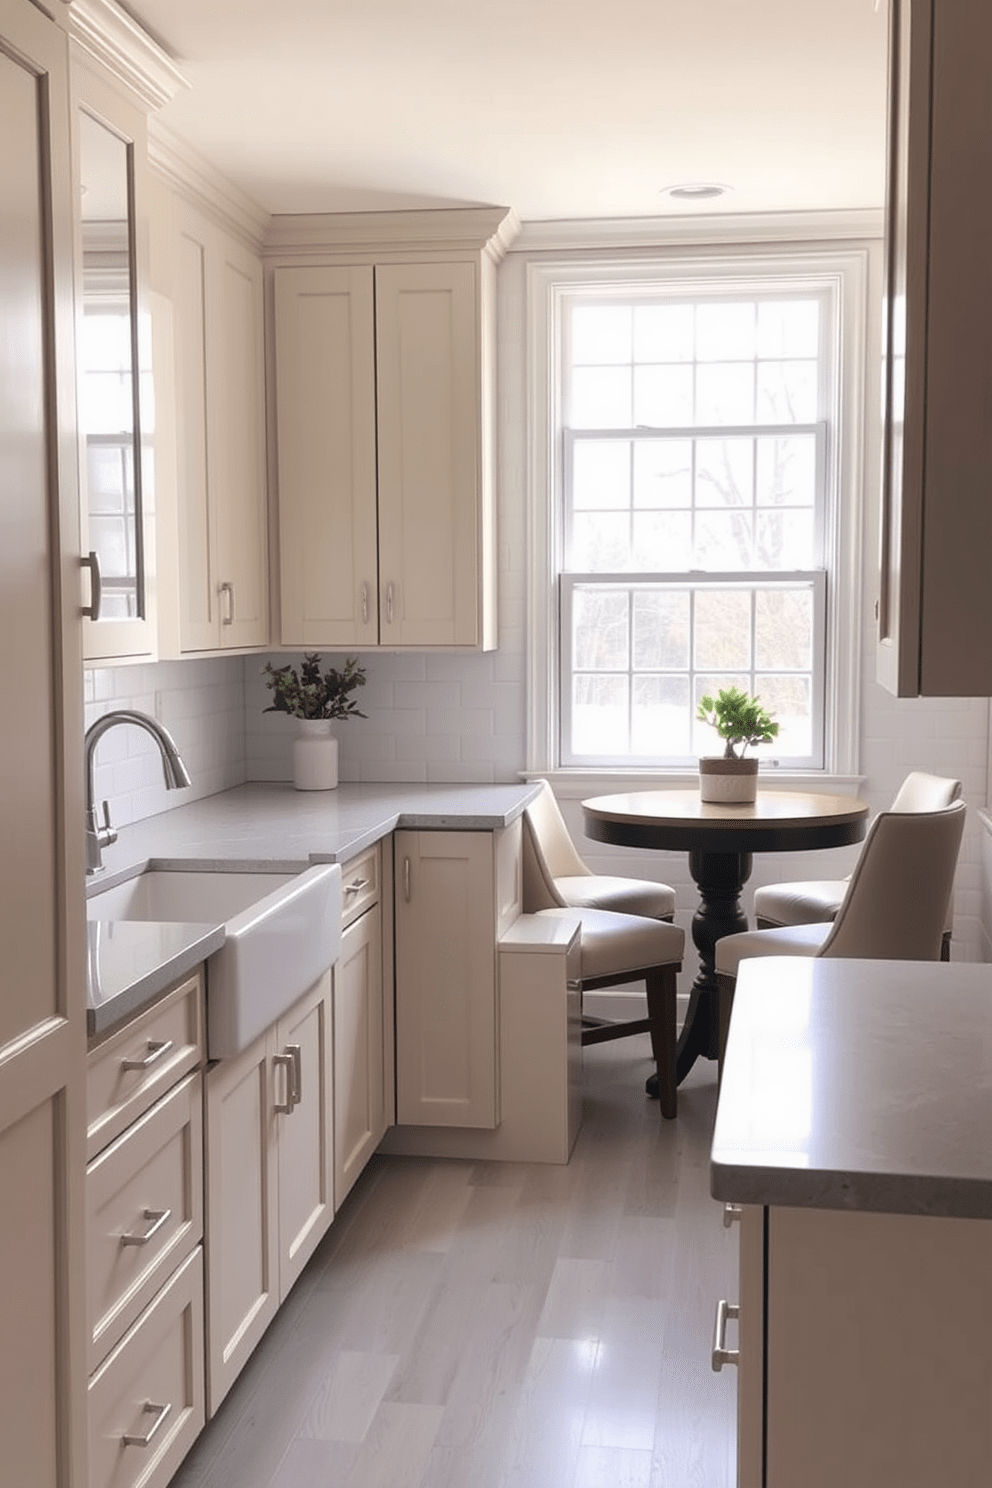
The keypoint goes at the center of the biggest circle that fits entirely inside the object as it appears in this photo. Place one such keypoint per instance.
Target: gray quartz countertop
(256, 828)
(274, 828)
(130, 963)
(858, 1085)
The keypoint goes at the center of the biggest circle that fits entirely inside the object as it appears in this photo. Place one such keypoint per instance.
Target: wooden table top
(778, 821)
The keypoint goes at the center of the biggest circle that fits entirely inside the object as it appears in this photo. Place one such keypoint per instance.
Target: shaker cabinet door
(326, 455)
(934, 621)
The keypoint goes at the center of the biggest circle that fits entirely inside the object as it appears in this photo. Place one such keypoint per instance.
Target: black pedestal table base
(719, 877)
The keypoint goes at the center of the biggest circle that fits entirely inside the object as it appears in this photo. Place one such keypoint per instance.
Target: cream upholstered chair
(894, 907)
(816, 901)
(615, 948)
(571, 883)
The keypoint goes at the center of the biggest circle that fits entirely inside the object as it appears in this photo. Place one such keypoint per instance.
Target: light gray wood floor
(498, 1325)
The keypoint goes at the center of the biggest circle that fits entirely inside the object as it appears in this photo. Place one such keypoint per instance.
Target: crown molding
(102, 31)
(194, 178)
(717, 229)
(490, 230)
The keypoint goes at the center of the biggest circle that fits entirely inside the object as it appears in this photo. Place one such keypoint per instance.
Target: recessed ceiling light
(695, 191)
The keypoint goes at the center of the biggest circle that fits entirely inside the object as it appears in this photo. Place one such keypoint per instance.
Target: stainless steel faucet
(99, 836)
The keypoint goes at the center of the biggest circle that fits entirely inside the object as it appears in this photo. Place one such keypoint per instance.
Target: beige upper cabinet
(115, 395)
(383, 415)
(216, 595)
(934, 614)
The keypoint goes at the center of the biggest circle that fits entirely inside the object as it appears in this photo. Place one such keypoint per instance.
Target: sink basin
(192, 896)
(281, 933)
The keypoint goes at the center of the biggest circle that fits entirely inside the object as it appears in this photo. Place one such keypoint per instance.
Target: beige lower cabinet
(269, 1178)
(360, 1045)
(146, 1399)
(454, 894)
(144, 1256)
(863, 1350)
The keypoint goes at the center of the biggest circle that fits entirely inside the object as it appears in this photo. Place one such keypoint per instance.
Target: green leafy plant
(312, 694)
(738, 718)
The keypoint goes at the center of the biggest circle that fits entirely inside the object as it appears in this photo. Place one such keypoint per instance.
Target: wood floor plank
(349, 1395)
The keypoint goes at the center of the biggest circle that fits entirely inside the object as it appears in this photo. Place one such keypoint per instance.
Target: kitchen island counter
(861, 1085)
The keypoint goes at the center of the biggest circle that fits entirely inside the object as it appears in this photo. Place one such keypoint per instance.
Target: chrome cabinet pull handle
(157, 1049)
(406, 879)
(284, 1061)
(721, 1354)
(365, 603)
(92, 562)
(228, 590)
(160, 1411)
(159, 1217)
(295, 1053)
(732, 1214)
(389, 602)
(358, 885)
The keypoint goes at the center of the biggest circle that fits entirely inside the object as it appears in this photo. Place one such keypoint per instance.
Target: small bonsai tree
(311, 694)
(739, 719)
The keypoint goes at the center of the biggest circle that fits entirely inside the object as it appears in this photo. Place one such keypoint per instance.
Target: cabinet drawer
(144, 1212)
(137, 1064)
(145, 1403)
(361, 884)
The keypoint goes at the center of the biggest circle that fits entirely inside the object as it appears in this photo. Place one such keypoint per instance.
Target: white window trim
(843, 271)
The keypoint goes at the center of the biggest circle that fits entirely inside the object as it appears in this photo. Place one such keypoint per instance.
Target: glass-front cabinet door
(115, 400)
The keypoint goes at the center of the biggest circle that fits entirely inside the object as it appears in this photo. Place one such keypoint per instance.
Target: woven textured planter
(733, 781)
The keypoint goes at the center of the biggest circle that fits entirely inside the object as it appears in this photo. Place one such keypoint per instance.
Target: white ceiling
(557, 108)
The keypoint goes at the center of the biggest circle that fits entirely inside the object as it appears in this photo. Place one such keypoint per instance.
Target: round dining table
(720, 840)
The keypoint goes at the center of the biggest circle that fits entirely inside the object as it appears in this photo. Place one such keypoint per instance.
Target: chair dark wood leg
(661, 990)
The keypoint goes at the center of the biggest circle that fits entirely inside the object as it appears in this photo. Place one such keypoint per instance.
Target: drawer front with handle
(360, 884)
(130, 1070)
(146, 1399)
(144, 1212)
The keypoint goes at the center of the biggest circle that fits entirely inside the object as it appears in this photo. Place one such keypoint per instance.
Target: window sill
(578, 784)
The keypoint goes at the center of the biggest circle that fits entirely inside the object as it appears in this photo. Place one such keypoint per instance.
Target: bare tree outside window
(693, 515)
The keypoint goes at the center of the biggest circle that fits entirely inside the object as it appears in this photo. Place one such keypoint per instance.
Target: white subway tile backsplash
(463, 774)
(433, 695)
(201, 703)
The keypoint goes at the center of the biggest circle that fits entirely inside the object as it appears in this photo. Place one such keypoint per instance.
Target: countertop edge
(931, 1196)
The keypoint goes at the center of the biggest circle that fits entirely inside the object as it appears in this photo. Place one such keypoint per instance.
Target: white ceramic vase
(315, 755)
(732, 781)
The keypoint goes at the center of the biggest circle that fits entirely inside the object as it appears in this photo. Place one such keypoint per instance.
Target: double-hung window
(696, 539)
